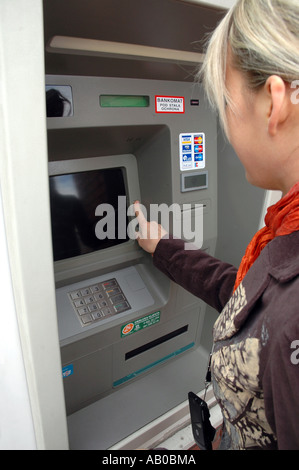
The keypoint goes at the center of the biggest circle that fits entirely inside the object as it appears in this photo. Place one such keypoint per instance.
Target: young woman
(251, 76)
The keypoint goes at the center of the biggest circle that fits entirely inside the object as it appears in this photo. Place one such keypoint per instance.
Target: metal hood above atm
(163, 33)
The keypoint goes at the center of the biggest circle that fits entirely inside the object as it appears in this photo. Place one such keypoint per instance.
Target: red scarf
(281, 219)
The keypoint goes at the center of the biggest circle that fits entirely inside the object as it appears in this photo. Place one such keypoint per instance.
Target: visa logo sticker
(67, 371)
(192, 151)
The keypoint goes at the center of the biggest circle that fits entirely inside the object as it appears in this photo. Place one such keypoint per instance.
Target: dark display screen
(195, 181)
(74, 200)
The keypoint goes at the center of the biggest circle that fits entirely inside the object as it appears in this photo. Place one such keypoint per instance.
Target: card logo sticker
(140, 324)
(67, 371)
(192, 151)
(170, 104)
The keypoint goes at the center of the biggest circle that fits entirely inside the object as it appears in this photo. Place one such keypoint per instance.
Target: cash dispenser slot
(156, 342)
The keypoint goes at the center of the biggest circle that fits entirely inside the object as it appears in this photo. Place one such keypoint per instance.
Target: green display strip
(124, 101)
(140, 324)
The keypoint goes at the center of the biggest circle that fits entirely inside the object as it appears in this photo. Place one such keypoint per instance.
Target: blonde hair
(263, 36)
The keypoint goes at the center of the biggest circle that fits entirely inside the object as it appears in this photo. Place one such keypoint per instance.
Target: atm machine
(133, 343)
(106, 344)
(131, 340)
(123, 326)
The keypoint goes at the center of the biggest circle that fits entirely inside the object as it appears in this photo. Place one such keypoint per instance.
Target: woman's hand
(150, 233)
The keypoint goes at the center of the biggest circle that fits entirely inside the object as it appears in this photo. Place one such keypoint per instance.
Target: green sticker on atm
(140, 324)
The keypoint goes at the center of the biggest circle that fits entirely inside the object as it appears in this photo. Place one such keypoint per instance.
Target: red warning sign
(170, 104)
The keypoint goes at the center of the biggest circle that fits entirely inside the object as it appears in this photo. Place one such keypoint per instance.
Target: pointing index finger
(139, 214)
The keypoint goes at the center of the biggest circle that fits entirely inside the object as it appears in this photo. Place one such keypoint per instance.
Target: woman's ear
(279, 103)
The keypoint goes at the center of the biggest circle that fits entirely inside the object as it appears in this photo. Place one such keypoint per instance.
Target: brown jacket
(255, 363)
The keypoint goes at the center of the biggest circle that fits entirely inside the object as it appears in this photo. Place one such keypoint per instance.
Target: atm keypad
(98, 301)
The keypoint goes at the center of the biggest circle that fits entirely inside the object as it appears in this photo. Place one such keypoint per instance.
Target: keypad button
(107, 284)
(114, 291)
(96, 288)
(92, 307)
(75, 295)
(83, 310)
(107, 311)
(121, 307)
(86, 319)
(99, 296)
(97, 315)
(89, 299)
(117, 298)
(85, 291)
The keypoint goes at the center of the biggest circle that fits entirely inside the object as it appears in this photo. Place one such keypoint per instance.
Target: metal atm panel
(106, 356)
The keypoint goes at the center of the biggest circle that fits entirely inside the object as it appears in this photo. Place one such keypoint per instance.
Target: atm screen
(74, 200)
